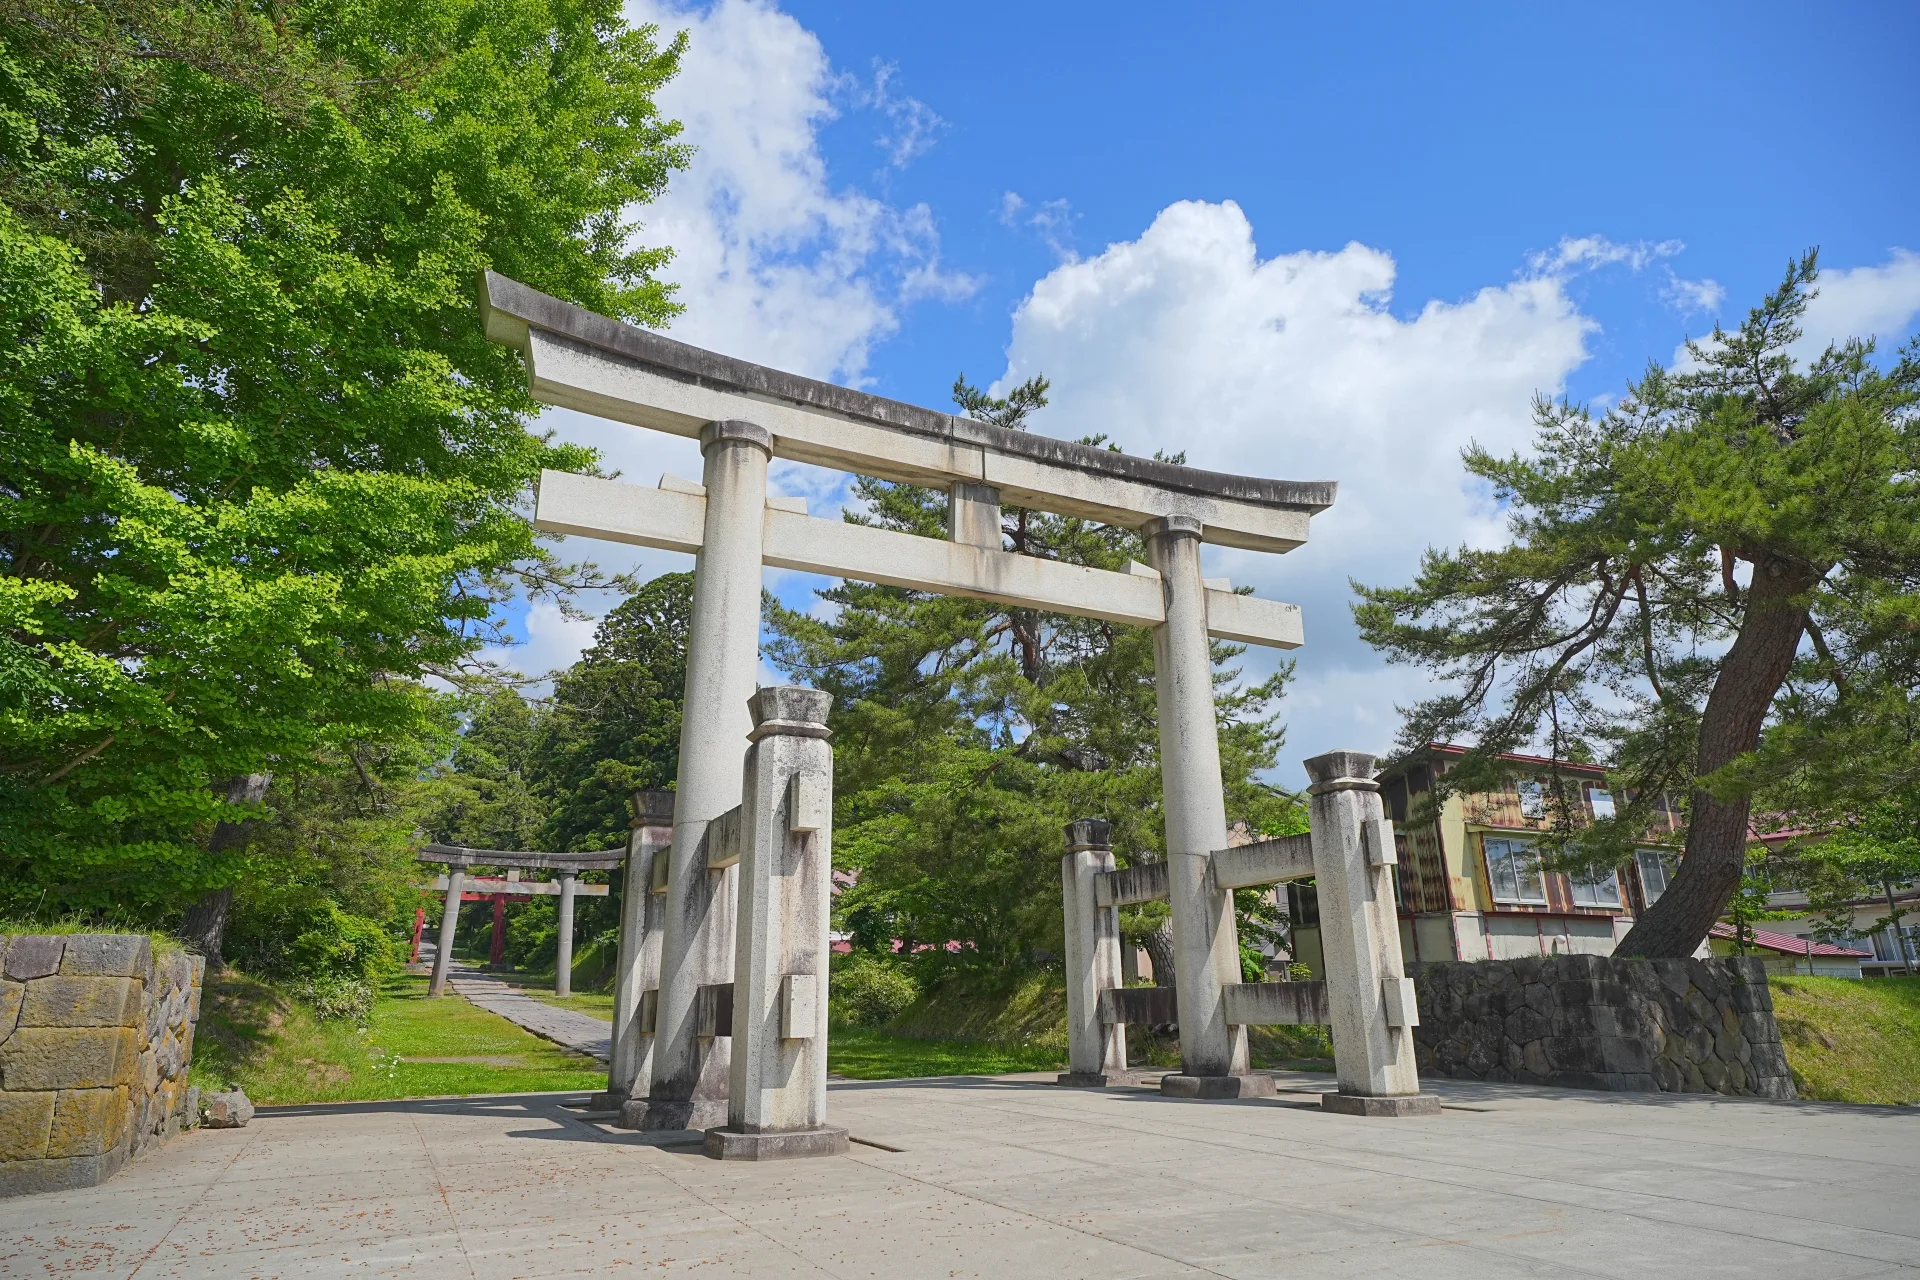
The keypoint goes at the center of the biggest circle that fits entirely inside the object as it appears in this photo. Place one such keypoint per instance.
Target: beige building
(1469, 885)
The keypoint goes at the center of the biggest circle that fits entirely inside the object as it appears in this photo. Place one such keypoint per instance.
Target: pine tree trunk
(1159, 948)
(1717, 831)
(204, 927)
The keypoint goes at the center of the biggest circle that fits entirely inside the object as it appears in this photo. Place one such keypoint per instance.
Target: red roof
(1787, 944)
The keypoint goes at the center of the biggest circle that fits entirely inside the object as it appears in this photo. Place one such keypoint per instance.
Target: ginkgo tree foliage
(260, 470)
(1689, 580)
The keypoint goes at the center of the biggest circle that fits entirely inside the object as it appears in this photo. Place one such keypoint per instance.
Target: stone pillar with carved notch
(636, 981)
(1096, 1048)
(777, 1099)
(1371, 1000)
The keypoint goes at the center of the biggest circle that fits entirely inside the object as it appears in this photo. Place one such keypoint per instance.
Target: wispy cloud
(912, 125)
(1575, 255)
(1051, 220)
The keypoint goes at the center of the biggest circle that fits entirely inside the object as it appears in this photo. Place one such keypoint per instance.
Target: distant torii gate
(457, 885)
(744, 415)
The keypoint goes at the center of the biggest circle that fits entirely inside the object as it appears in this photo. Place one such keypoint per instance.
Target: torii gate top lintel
(582, 360)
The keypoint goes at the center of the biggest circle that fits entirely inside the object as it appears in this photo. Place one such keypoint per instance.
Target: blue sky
(1328, 243)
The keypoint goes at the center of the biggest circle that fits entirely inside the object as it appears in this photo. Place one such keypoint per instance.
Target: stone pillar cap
(651, 808)
(735, 429)
(789, 709)
(1341, 771)
(1190, 526)
(1089, 833)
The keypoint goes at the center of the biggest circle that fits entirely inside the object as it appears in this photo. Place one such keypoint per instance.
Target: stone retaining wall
(95, 1039)
(1599, 1022)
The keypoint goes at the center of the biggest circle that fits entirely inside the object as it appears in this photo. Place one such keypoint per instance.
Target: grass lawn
(273, 1047)
(862, 1054)
(1849, 1040)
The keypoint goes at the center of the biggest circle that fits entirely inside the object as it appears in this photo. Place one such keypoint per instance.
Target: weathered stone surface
(68, 1058)
(1346, 1104)
(113, 955)
(67, 1001)
(793, 1144)
(11, 996)
(32, 956)
(1215, 1087)
(228, 1110)
(1601, 1023)
(88, 1122)
(95, 1042)
(25, 1119)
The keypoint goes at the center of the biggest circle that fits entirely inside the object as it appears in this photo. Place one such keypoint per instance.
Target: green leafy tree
(967, 733)
(612, 726)
(263, 470)
(1617, 621)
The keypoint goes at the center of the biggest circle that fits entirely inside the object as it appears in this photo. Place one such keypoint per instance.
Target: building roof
(1574, 766)
(1788, 945)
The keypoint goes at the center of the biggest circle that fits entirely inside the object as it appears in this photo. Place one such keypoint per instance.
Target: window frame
(1659, 858)
(1533, 797)
(1576, 883)
(1515, 849)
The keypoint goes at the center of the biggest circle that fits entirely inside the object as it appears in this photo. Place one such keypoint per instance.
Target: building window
(1533, 798)
(1654, 873)
(1514, 873)
(1602, 890)
(1602, 802)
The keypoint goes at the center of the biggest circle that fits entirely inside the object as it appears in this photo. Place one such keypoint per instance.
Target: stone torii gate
(744, 415)
(458, 860)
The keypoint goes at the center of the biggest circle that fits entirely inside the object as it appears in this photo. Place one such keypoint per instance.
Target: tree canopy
(263, 472)
(1713, 587)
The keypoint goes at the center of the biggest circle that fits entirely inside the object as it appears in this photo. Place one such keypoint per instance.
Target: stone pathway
(580, 1032)
(1012, 1178)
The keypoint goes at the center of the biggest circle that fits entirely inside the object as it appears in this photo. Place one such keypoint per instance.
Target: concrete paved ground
(1011, 1178)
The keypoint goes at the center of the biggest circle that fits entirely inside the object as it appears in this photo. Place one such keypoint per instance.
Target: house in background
(1886, 950)
(1469, 886)
(1785, 953)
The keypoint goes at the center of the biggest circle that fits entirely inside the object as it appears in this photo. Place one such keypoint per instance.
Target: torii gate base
(1364, 996)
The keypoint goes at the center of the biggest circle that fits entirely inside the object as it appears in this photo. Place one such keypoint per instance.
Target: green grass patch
(164, 944)
(860, 1053)
(1849, 1040)
(272, 1045)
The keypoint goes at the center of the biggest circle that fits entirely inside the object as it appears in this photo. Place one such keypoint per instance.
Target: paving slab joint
(1406, 1104)
(727, 1143)
(1217, 1087)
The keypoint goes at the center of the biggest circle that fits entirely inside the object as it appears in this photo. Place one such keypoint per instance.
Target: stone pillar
(563, 972)
(449, 920)
(1213, 1055)
(690, 1071)
(637, 970)
(777, 1103)
(1096, 1051)
(1372, 1000)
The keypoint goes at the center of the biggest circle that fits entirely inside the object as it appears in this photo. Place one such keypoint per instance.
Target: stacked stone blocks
(1600, 1022)
(96, 1034)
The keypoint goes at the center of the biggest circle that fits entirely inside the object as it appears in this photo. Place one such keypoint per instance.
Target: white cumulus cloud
(775, 261)
(1294, 366)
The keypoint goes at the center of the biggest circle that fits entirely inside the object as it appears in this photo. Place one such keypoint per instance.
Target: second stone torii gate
(744, 415)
